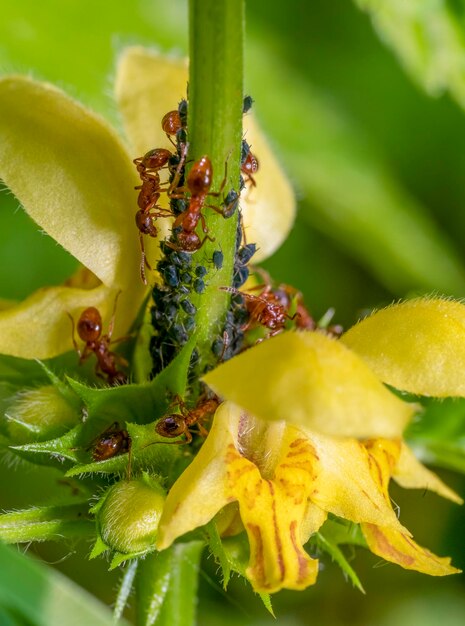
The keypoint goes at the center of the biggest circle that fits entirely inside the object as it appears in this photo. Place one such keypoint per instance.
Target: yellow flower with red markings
(308, 429)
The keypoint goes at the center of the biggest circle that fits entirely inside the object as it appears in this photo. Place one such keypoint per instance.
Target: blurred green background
(377, 164)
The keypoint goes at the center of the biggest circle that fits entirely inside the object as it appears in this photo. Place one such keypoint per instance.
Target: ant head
(171, 425)
(145, 223)
(89, 326)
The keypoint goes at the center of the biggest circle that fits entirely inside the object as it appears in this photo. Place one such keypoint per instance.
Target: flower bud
(128, 516)
(39, 414)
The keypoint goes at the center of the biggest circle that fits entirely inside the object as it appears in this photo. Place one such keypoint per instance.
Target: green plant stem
(52, 523)
(215, 130)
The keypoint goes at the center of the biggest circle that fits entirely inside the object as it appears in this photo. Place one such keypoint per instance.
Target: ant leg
(129, 470)
(76, 347)
(205, 239)
(177, 174)
(111, 325)
(143, 259)
(204, 224)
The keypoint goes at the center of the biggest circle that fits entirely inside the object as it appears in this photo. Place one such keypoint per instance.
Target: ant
(110, 443)
(199, 181)
(264, 310)
(89, 328)
(176, 424)
(148, 167)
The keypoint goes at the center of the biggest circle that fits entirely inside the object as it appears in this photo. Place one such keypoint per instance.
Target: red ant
(148, 167)
(264, 310)
(89, 328)
(110, 443)
(176, 424)
(199, 181)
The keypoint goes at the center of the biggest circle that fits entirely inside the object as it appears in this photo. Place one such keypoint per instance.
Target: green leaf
(438, 434)
(166, 586)
(50, 523)
(428, 39)
(45, 597)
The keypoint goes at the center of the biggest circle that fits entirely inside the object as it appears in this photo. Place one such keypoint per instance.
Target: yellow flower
(325, 437)
(75, 178)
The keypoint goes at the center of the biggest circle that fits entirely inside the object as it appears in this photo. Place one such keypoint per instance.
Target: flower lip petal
(416, 346)
(314, 382)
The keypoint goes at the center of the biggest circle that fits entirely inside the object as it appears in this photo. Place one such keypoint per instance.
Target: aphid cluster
(183, 277)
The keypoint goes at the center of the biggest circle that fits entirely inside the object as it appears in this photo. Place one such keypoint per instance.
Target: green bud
(39, 414)
(128, 515)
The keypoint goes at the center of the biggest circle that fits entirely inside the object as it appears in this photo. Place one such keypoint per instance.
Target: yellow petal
(272, 512)
(74, 178)
(343, 484)
(148, 85)
(39, 327)
(394, 544)
(200, 491)
(397, 547)
(312, 381)
(269, 208)
(411, 474)
(417, 346)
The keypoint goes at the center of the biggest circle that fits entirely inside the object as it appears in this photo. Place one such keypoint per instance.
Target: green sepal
(336, 532)
(99, 547)
(58, 452)
(140, 403)
(119, 558)
(343, 532)
(237, 552)
(216, 548)
(60, 385)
